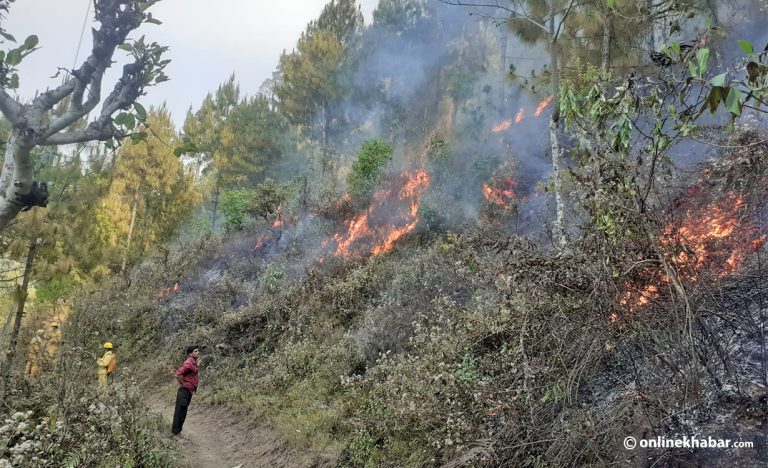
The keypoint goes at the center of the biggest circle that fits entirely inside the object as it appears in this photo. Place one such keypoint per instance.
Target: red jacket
(188, 374)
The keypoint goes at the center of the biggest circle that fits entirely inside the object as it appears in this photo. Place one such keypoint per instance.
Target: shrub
(235, 205)
(367, 168)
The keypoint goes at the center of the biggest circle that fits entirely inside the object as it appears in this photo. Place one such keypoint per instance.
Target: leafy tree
(235, 139)
(268, 198)
(315, 76)
(399, 17)
(32, 123)
(366, 170)
(235, 205)
(252, 137)
(150, 193)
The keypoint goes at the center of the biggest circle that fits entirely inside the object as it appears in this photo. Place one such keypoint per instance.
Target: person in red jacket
(187, 377)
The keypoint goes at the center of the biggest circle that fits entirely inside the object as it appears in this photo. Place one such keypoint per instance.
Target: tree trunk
(607, 36)
(21, 298)
(135, 202)
(558, 229)
(503, 74)
(326, 125)
(215, 205)
(16, 179)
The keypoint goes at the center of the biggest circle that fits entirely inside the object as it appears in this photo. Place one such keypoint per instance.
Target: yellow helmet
(107, 345)
(40, 332)
(54, 324)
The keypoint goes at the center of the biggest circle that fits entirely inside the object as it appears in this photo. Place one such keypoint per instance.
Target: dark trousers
(183, 398)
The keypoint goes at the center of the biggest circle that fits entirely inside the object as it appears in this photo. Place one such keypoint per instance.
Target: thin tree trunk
(326, 125)
(607, 36)
(558, 230)
(21, 298)
(215, 206)
(503, 74)
(135, 202)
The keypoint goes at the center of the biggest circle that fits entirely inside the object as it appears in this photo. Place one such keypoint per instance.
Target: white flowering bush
(91, 428)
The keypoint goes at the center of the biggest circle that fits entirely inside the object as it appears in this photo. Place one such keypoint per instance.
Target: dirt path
(214, 437)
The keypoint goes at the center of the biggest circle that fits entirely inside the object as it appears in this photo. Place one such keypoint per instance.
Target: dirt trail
(215, 437)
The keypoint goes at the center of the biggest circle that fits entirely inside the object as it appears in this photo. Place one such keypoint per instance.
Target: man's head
(54, 324)
(193, 350)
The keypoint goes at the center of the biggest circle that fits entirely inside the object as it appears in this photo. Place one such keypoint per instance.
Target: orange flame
(356, 229)
(543, 105)
(261, 241)
(708, 238)
(384, 235)
(520, 115)
(167, 291)
(501, 193)
(502, 126)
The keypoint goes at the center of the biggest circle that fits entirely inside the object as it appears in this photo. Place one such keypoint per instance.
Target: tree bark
(558, 229)
(503, 74)
(16, 179)
(607, 36)
(135, 202)
(33, 124)
(21, 298)
(215, 206)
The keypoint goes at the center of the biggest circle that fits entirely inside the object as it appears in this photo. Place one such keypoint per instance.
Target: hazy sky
(208, 39)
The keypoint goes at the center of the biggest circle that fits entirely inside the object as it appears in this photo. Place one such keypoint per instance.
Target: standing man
(106, 364)
(35, 355)
(53, 338)
(187, 377)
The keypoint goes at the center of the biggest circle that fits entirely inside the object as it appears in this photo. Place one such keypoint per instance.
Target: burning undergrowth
(713, 228)
(393, 213)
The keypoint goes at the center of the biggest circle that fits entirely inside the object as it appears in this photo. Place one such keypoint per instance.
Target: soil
(217, 437)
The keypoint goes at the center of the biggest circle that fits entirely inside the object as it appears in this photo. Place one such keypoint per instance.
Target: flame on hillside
(708, 238)
(168, 291)
(393, 213)
(501, 192)
(542, 105)
(520, 116)
(502, 126)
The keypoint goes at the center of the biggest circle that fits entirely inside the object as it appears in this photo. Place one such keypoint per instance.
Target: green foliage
(461, 84)
(367, 168)
(95, 428)
(57, 288)
(234, 205)
(274, 277)
(268, 198)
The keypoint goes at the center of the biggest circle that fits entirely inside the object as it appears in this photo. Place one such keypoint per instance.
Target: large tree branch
(10, 108)
(117, 18)
(101, 129)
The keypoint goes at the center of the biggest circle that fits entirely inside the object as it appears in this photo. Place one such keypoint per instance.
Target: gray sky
(207, 43)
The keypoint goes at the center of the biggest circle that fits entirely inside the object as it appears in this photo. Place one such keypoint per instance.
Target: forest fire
(520, 115)
(711, 238)
(500, 192)
(168, 291)
(543, 105)
(502, 126)
(385, 221)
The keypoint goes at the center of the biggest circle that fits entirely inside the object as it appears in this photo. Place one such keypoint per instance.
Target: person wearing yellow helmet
(53, 339)
(35, 355)
(107, 364)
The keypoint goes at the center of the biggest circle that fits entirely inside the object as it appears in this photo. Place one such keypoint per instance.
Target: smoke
(432, 87)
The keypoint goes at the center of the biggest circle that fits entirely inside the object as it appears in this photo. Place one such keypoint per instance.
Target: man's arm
(181, 371)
